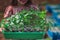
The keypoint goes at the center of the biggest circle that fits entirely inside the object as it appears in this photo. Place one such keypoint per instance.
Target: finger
(0, 30)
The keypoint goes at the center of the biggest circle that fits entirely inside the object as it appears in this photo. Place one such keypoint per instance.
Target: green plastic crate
(23, 35)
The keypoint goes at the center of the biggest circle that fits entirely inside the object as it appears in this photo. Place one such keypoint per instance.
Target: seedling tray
(23, 35)
(55, 11)
(53, 35)
(50, 8)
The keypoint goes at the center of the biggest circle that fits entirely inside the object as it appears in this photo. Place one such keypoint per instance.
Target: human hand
(1, 29)
(1, 35)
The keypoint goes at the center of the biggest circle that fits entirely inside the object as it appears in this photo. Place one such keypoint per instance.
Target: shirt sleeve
(8, 11)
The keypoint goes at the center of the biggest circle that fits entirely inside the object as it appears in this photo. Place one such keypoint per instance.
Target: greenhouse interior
(29, 19)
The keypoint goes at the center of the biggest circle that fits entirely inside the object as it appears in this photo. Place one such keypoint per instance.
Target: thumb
(0, 29)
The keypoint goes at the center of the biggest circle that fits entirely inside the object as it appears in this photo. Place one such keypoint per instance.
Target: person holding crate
(17, 6)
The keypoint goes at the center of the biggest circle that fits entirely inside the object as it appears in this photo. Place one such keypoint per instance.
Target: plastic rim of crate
(31, 35)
